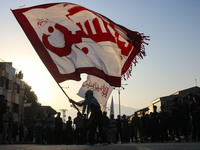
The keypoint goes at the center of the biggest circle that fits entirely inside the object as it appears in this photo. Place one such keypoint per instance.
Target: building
(31, 112)
(12, 87)
(167, 101)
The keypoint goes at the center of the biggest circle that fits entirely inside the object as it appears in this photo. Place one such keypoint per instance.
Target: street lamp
(119, 89)
(196, 82)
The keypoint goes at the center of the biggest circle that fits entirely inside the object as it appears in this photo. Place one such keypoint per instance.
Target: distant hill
(124, 110)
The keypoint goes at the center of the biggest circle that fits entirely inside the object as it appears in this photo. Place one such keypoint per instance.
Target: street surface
(139, 146)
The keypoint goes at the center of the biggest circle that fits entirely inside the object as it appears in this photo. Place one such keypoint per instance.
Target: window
(2, 80)
(7, 84)
(10, 85)
(15, 108)
(16, 88)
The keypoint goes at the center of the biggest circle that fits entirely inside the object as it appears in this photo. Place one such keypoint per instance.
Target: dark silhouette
(49, 126)
(155, 128)
(39, 120)
(21, 133)
(119, 129)
(3, 107)
(68, 134)
(95, 119)
(125, 130)
(78, 121)
(14, 131)
(58, 129)
(195, 111)
(136, 125)
(105, 125)
(164, 123)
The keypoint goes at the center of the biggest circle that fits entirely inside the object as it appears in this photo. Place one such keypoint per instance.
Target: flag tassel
(139, 44)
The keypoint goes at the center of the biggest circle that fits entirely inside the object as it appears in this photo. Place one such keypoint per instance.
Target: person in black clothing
(177, 118)
(39, 124)
(186, 119)
(95, 119)
(105, 122)
(78, 121)
(144, 127)
(164, 123)
(119, 129)
(69, 131)
(136, 124)
(85, 129)
(58, 129)
(14, 131)
(125, 130)
(155, 134)
(195, 111)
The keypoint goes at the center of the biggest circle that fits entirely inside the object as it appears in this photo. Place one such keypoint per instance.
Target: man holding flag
(95, 119)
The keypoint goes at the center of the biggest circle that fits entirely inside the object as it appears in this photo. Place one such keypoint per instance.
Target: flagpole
(68, 97)
(119, 89)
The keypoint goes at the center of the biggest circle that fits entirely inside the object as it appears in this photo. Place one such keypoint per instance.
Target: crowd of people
(179, 123)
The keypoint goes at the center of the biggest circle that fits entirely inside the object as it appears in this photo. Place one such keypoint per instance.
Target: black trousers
(95, 121)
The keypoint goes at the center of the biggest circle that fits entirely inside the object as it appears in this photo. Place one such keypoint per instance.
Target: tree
(20, 75)
(30, 96)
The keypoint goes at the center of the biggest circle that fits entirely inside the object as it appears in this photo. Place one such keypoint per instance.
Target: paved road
(139, 146)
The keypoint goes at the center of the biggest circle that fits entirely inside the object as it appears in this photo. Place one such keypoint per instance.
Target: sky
(173, 54)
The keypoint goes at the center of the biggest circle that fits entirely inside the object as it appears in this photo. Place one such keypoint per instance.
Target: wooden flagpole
(68, 97)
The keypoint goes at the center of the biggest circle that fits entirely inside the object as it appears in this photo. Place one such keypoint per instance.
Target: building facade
(167, 101)
(13, 88)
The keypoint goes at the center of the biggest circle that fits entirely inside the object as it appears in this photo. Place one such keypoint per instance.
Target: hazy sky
(173, 55)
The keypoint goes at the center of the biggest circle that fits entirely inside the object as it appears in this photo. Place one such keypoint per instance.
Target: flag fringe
(139, 44)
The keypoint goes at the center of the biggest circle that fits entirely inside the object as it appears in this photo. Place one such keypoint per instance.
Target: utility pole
(119, 89)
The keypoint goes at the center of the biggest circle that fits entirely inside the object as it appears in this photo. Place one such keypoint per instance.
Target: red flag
(71, 40)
